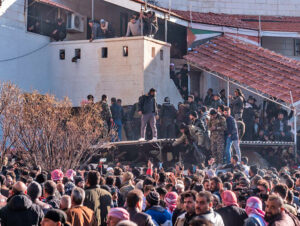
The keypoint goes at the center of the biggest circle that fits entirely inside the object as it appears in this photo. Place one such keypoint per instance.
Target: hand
(140, 112)
(54, 32)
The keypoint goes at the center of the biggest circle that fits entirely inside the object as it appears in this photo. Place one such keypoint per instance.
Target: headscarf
(70, 174)
(229, 198)
(254, 207)
(119, 213)
(57, 175)
(171, 199)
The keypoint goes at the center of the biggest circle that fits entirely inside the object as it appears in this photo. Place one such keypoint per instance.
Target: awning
(255, 68)
(55, 4)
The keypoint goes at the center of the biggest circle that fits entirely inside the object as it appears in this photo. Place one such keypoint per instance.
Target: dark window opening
(104, 52)
(62, 54)
(125, 51)
(78, 53)
(161, 52)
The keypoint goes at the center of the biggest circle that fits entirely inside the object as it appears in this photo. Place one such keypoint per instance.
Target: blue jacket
(160, 215)
(231, 128)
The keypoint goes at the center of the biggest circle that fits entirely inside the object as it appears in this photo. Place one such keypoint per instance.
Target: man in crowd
(148, 109)
(203, 208)
(80, 215)
(117, 115)
(281, 130)
(94, 26)
(105, 30)
(232, 136)
(168, 115)
(105, 112)
(276, 215)
(217, 127)
(134, 26)
(96, 198)
(60, 31)
(134, 203)
(189, 206)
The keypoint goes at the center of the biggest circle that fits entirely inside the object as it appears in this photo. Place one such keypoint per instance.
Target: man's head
(90, 98)
(93, 178)
(253, 171)
(280, 116)
(189, 198)
(281, 190)
(34, 190)
(104, 97)
(215, 184)
(134, 199)
(133, 19)
(19, 188)
(227, 111)
(77, 196)
(102, 22)
(274, 206)
(167, 100)
(204, 202)
(244, 161)
(206, 185)
(213, 113)
(127, 177)
(210, 91)
(193, 115)
(55, 217)
(152, 92)
(119, 102)
(65, 202)
(216, 97)
(49, 188)
(113, 100)
(91, 22)
(152, 199)
(191, 98)
(263, 187)
(59, 21)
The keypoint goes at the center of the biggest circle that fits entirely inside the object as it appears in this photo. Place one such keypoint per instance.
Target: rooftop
(250, 65)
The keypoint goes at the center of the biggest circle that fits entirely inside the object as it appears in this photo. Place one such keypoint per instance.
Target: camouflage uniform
(217, 137)
(105, 114)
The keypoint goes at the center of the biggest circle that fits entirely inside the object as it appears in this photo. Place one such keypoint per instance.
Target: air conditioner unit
(75, 23)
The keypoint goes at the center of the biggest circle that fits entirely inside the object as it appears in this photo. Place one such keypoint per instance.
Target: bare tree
(48, 132)
(10, 104)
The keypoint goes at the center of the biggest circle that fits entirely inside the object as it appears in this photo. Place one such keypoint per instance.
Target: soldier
(217, 127)
(105, 111)
(168, 115)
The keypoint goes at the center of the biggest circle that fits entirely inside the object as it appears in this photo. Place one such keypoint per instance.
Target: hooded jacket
(21, 211)
(213, 217)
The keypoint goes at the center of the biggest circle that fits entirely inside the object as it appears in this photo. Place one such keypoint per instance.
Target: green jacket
(98, 200)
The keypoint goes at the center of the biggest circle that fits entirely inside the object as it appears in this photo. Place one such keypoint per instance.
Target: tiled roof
(250, 65)
(268, 23)
(55, 4)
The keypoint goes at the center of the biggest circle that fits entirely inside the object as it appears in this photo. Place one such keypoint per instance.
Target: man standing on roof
(148, 110)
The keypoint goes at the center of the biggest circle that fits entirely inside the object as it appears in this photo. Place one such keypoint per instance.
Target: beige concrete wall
(116, 76)
(157, 74)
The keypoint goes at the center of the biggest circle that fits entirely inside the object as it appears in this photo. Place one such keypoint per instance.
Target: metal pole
(295, 134)
(93, 5)
(227, 92)
(166, 28)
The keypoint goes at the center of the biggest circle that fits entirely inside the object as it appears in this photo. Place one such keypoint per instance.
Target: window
(62, 54)
(125, 51)
(153, 52)
(78, 53)
(161, 53)
(296, 47)
(104, 52)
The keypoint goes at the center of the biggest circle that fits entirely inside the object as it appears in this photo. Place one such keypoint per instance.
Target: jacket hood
(19, 203)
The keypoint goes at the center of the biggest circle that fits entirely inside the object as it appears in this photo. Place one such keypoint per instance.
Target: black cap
(152, 90)
(57, 216)
(153, 198)
(194, 113)
(213, 112)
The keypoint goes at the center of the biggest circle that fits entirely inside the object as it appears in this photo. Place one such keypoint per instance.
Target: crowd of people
(150, 195)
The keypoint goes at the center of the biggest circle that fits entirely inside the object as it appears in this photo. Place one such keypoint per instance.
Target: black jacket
(168, 112)
(116, 111)
(232, 215)
(231, 128)
(53, 201)
(144, 103)
(141, 219)
(21, 211)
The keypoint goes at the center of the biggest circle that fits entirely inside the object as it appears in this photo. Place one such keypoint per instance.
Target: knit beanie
(153, 198)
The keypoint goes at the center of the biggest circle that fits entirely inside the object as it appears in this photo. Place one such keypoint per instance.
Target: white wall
(23, 55)
(252, 7)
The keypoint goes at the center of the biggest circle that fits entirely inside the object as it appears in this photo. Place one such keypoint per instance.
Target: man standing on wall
(148, 109)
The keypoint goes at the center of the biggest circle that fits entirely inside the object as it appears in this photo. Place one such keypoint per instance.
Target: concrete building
(245, 7)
